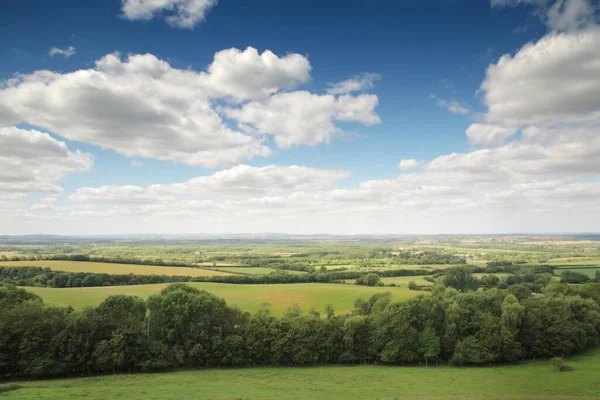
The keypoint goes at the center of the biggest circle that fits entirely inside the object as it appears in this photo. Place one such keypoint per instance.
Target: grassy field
(591, 272)
(254, 270)
(404, 280)
(531, 381)
(110, 268)
(247, 297)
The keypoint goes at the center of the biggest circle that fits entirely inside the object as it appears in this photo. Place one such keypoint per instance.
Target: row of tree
(185, 327)
(37, 276)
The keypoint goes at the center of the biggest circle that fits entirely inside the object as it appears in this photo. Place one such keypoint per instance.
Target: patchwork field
(531, 381)
(247, 297)
(110, 268)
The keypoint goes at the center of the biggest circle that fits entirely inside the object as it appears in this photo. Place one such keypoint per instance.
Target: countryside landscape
(300, 199)
(421, 316)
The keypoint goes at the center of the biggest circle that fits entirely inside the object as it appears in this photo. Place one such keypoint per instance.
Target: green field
(531, 381)
(254, 270)
(591, 272)
(247, 297)
(114, 269)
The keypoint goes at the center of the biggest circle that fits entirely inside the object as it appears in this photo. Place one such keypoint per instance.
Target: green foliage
(185, 326)
(460, 278)
(369, 280)
(573, 277)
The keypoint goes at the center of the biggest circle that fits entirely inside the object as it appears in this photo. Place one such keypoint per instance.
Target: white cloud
(50, 199)
(142, 106)
(489, 135)
(302, 117)
(451, 105)
(242, 180)
(409, 164)
(136, 163)
(178, 13)
(553, 81)
(66, 53)
(244, 75)
(357, 83)
(560, 15)
(32, 161)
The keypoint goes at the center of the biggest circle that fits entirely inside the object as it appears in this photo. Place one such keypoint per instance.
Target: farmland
(247, 297)
(113, 268)
(536, 380)
(251, 270)
(590, 272)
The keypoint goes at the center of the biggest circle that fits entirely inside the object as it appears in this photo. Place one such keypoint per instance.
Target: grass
(114, 269)
(531, 381)
(337, 266)
(247, 297)
(254, 270)
(591, 272)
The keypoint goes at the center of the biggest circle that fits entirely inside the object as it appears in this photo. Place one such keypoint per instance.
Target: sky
(299, 116)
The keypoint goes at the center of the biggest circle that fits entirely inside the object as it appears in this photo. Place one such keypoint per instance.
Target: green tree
(371, 279)
(429, 345)
(460, 278)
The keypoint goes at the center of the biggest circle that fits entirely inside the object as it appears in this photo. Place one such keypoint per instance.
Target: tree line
(185, 327)
(38, 276)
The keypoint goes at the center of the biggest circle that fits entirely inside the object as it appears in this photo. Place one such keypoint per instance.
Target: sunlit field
(113, 269)
(536, 380)
(247, 297)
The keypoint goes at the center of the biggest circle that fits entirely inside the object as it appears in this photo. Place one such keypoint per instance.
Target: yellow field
(247, 297)
(114, 269)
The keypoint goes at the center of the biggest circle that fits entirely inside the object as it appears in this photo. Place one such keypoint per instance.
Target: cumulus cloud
(246, 75)
(66, 53)
(537, 179)
(241, 180)
(178, 13)
(357, 83)
(32, 161)
(409, 164)
(451, 105)
(142, 106)
(136, 163)
(302, 117)
(560, 15)
(555, 80)
(489, 135)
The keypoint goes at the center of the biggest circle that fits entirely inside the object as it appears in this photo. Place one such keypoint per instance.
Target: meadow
(591, 272)
(254, 270)
(247, 297)
(113, 268)
(535, 380)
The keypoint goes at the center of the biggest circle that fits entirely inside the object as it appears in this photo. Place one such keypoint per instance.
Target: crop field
(247, 297)
(254, 270)
(404, 280)
(536, 380)
(591, 272)
(111, 268)
(575, 260)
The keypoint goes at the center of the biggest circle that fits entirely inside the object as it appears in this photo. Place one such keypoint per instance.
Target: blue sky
(429, 55)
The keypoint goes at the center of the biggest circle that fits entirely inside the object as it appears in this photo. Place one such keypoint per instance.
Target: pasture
(113, 269)
(254, 270)
(591, 272)
(536, 380)
(247, 297)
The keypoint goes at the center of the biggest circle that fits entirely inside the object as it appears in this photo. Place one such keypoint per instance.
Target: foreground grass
(113, 269)
(247, 297)
(529, 381)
